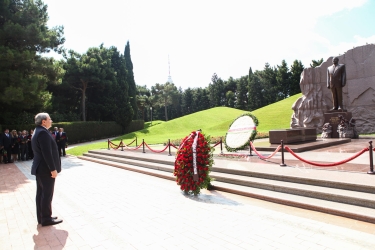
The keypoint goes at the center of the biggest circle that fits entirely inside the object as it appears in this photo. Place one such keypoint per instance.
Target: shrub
(86, 131)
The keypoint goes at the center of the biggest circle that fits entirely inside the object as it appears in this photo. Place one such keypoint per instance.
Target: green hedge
(87, 131)
(135, 125)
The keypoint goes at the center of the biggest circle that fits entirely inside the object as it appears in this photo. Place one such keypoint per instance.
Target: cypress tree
(131, 82)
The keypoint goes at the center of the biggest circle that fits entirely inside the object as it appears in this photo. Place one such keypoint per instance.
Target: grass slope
(214, 122)
(276, 115)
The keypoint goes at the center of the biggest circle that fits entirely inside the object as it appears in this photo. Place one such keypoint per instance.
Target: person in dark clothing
(23, 145)
(29, 147)
(61, 140)
(15, 147)
(46, 166)
(6, 143)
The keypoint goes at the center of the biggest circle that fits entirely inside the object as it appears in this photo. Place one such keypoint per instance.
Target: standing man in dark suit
(61, 140)
(6, 143)
(336, 80)
(46, 165)
(55, 132)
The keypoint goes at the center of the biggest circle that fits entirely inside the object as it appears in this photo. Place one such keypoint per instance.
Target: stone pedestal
(333, 119)
(292, 135)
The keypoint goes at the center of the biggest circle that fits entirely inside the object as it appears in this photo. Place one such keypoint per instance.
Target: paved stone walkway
(110, 208)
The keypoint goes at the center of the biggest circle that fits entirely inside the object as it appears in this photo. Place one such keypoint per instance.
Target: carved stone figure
(327, 130)
(346, 129)
(336, 80)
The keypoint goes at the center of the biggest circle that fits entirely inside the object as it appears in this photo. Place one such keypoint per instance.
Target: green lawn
(214, 122)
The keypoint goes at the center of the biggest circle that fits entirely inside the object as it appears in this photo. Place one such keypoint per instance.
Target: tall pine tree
(241, 93)
(24, 72)
(295, 75)
(283, 81)
(131, 82)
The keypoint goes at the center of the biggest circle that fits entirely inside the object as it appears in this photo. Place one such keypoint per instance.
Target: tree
(122, 110)
(201, 100)
(269, 84)
(143, 95)
(187, 101)
(24, 72)
(230, 88)
(316, 63)
(256, 99)
(230, 99)
(241, 93)
(165, 95)
(86, 71)
(295, 75)
(216, 91)
(283, 81)
(131, 82)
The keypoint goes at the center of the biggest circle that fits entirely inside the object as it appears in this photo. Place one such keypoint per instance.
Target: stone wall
(358, 94)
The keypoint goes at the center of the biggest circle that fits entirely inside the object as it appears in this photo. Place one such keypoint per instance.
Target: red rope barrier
(328, 164)
(130, 143)
(114, 146)
(128, 148)
(173, 146)
(156, 151)
(263, 157)
(216, 144)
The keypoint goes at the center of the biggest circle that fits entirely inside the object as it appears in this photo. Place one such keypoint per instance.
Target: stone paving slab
(110, 208)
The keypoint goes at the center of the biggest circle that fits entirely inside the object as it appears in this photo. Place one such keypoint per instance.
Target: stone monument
(358, 95)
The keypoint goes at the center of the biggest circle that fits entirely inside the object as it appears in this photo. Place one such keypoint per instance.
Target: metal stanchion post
(221, 145)
(250, 149)
(122, 145)
(136, 143)
(108, 144)
(371, 159)
(143, 143)
(282, 154)
(169, 147)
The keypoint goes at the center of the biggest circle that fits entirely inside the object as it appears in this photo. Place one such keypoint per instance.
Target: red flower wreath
(192, 167)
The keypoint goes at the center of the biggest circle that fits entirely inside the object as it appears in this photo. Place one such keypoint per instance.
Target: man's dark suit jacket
(46, 154)
(62, 138)
(5, 141)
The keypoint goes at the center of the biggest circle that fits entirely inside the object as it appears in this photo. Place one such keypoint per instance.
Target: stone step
(308, 190)
(324, 206)
(291, 194)
(133, 161)
(317, 192)
(353, 186)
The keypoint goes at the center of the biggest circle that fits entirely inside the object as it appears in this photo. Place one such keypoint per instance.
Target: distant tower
(169, 72)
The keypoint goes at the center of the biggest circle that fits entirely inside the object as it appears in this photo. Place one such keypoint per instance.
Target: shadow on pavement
(213, 197)
(50, 237)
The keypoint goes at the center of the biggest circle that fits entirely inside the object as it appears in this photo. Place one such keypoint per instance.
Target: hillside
(214, 122)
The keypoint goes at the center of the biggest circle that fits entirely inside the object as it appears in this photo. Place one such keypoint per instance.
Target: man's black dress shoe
(51, 222)
(53, 218)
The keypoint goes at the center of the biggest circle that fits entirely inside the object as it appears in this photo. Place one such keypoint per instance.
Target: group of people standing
(16, 146)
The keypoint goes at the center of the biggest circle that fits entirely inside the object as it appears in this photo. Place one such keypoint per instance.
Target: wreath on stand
(193, 163)
(241, 132)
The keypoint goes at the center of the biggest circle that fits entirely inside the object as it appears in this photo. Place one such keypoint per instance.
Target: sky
(197, 38)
